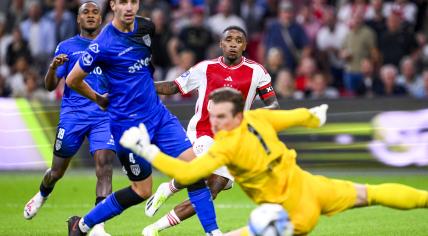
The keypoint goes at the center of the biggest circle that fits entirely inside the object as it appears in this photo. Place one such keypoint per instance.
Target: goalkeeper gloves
(137, 139)
(320, 112)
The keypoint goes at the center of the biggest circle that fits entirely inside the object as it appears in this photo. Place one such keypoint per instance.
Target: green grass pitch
(74, 194)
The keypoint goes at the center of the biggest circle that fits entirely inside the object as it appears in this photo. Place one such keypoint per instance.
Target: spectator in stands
(319, 9)
(5, 41)
(16, 80)
(182, 16)
(186, 60)
(409, 78)
(252, 12)
(425, 80)
(224, 18)
(273, 63)
(350, 9)
(285, 86)
(330, 39)
(360, 43)
(33, 91)
(305, 72)
(18, 48)
(395, 43)
(388, 76)
(371, 83)
(161, 57)
(5, 90)
(62, 20)
(310, 24)
(375, 18)
(318, 88)
(147, 6)
(405, 9)
(15, 15)
(196, 37)
(40, 35)
(288, 35)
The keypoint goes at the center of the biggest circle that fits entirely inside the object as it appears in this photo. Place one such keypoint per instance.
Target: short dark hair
(231, 95)
(90, 1)
(235, 27)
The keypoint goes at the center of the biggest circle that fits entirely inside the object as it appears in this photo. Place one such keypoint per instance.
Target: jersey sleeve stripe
(179, 87)
(267, 95)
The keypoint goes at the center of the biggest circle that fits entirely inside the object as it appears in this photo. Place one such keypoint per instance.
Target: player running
(123, 52)
(230, 70)
(79, 117)
(248, 144)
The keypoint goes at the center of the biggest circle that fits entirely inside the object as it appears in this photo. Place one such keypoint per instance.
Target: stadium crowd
(312, 49)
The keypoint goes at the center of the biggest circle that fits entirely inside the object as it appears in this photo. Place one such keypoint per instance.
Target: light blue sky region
(18, 148)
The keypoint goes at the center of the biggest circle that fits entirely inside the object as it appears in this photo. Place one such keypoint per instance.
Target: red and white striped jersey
(248, 77)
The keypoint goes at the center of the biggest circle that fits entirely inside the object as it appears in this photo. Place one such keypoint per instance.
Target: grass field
(75, 195)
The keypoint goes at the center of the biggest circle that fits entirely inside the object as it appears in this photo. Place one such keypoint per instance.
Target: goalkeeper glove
(137, 139)
(320, 112)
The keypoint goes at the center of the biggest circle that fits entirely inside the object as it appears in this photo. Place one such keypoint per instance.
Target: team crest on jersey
(94, 47)
(185, 74)
(87, 59)
(135, 169)
(58, 144)
(147, 40)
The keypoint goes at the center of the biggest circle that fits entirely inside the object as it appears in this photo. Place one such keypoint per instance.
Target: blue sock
(204, 207)
(103, 211)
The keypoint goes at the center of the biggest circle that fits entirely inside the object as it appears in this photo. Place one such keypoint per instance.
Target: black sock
(127, 197)
(98, 200)
(44, 191)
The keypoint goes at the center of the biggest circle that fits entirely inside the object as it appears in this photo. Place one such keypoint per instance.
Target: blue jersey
(125, 59)
(72, 101)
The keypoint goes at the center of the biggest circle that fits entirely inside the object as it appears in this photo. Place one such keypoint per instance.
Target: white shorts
(201, 146)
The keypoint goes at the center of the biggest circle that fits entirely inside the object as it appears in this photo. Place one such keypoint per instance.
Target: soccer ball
(270, 220)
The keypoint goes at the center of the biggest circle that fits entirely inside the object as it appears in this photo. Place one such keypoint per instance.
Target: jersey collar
(221, 61)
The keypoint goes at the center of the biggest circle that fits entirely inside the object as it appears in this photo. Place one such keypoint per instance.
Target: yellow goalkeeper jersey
(262, 165)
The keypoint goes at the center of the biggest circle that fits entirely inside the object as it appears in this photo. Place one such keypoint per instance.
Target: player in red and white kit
(230, 70)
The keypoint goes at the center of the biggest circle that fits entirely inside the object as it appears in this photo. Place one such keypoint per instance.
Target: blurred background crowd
(311, 48)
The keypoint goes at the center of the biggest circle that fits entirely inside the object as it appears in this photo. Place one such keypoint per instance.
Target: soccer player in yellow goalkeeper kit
(248, 144)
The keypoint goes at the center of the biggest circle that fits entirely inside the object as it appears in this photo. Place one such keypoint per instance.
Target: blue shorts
(165, 131)
(71, 133)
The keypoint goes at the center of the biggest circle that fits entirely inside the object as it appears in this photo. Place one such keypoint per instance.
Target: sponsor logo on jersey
(87, 59)
(139, 64)
(147, 41)
(94, 47)
(135, 169)
(78, 52)
(125, 51)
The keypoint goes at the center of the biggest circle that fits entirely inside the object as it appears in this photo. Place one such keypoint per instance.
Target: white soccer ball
(270, 220)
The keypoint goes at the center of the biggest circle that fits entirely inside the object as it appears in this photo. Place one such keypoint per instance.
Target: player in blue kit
(123, 52)
(79, 117)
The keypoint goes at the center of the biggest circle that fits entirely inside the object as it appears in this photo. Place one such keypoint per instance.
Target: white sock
(83, 227)
(167, 221)
(215, 232)
(172, 187)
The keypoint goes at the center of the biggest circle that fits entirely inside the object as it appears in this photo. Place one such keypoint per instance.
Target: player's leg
(139, 173)
(392, 195)
(104, 171)
(68, 140)
(172, 140)
(184, 210)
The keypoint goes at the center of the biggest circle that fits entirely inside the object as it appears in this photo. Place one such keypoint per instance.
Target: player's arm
(268, 96)
(138, 140)
(51, 78)
(75, 81)
(282, 119)
(166, 87)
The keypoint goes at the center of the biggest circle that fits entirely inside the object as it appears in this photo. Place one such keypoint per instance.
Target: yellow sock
(397, 196)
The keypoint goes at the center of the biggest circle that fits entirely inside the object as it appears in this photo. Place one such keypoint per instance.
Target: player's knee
(141, 190)
(56, 174)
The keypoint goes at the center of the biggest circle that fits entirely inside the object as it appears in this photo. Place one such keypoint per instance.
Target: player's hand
(102, 101)
(58, 60)
(320, 112)
(138, 140)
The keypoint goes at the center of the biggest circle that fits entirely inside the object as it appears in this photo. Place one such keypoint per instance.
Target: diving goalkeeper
(248, 144)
